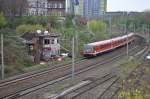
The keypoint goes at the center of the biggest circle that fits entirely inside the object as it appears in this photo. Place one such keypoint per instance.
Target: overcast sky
(128, 5)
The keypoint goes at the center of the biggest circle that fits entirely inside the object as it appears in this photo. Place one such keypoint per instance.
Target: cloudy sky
(128, 5)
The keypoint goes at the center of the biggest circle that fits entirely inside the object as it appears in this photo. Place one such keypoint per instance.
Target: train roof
(110, 40)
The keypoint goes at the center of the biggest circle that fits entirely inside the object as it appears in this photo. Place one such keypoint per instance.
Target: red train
(93, 49)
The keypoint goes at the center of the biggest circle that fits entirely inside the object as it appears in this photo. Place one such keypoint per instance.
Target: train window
(102, 46)
(106, 45)
(46, 41)
(88, 48)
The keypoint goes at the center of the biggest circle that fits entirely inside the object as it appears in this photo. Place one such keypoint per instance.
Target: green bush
(99, 29)
(2, 20)
(97, 26)
(8, 31)
(16, 21)
(68, 21)
(21, 29)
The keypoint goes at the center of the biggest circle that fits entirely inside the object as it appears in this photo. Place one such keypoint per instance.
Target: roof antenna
(38, 31)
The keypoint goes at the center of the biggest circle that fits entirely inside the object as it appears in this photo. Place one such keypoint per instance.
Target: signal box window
(52, 41)
(46, 41)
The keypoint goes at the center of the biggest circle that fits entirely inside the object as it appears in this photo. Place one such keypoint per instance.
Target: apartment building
(37, 7)
(46, 7)
(94, 8)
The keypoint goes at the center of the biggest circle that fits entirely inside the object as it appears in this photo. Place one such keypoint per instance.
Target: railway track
(9, 93)
(111, 90)
(108, 93)
(34, 73)
(93, 82)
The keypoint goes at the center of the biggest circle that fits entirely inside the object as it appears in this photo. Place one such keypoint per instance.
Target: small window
(52, 41)
(46, 41)
(31, 47)
(54, 5)
(60, 5)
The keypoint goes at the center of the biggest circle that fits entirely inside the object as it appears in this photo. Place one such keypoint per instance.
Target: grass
(134, 95)
(48, 64)
(137, 86)
(127, 65)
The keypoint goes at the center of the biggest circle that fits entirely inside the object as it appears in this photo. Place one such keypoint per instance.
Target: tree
(68, 20)
(98, 28)
(2, 20)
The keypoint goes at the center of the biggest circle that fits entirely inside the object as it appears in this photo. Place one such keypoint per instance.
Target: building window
(60, 5)
(33, 12)
(55, 5)
(49, 5)
(31, 48)
(52, 5)
(44, 5)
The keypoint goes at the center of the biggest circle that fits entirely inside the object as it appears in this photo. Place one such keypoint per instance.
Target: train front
(88, 50)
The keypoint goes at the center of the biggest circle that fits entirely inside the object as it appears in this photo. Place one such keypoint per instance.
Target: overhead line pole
(2, 57)
(73, 62)
(73, 51)
(127, 51)
(37, 7)
(127, 48)
(110, 26)
(148, 34)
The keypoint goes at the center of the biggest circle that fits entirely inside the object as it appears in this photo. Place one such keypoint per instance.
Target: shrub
(99, 29)
(8, 31)
(21, 29)
(2, 20)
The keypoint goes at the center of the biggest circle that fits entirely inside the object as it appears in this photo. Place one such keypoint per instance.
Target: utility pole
(73, 2)
(110, 25)
(37, 7)
(73, 54)
(127, 48)
(148, 34)
(73, 62)
(127, 35)
(77, 44)
(2, 57)
(134, 28)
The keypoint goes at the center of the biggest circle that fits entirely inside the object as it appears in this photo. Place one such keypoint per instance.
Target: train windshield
(88, 48)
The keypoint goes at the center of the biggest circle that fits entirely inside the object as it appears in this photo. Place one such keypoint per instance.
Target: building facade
(46, 7)
(87, 8)
(94, 8)
(42, 46)
(37, 7)
(56, 7)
